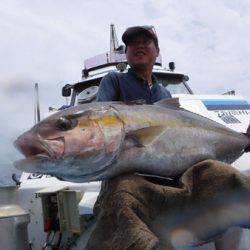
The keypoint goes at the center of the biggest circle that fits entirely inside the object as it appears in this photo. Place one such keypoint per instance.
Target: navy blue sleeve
(108, 88)
(165, 92)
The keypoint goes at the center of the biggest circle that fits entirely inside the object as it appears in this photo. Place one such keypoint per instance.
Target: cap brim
(134, 31)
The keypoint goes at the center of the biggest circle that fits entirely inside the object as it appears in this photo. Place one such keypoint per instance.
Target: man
(142, 50)
(129, 204)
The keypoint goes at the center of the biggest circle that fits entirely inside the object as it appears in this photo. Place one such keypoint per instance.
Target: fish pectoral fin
(145, 136)
(132, 141)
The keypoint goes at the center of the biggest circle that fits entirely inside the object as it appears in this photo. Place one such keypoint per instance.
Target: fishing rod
(37, 105)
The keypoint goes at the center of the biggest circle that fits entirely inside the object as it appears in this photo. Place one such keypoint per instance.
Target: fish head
(77, 144)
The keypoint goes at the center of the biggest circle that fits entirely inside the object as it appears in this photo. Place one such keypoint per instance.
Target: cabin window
(175, 85)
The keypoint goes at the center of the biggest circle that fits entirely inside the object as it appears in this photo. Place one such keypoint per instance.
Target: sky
(47, 42)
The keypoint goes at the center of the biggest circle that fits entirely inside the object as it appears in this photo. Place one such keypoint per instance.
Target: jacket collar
(132, 72)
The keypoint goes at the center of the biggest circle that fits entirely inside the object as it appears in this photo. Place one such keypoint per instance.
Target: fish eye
(64, 123)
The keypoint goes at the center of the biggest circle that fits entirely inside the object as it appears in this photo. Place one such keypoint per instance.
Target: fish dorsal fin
(169, 103)
(136, 102)
(145, 136)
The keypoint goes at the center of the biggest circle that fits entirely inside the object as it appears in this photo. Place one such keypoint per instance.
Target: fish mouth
(32, 149)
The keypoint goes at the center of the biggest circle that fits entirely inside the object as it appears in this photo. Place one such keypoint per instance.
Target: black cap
(131, 32)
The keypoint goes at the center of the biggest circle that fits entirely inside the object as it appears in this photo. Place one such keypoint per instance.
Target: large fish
(98, 141)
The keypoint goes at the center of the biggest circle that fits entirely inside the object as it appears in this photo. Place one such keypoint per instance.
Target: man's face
(141, 52)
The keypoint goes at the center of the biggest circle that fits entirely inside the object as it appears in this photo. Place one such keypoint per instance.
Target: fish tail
(248, 135)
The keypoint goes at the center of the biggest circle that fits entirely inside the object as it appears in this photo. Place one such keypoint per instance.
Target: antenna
(113, 39)
(36, 105)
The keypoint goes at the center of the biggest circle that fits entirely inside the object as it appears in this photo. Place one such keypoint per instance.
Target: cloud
(209, 42)
(49, 41)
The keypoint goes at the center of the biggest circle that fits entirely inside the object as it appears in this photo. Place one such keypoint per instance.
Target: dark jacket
(129, 87)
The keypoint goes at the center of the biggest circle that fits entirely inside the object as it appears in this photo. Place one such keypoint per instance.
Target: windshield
(174, 84)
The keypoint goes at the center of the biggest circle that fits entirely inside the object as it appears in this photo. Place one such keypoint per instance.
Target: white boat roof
(109, 58)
